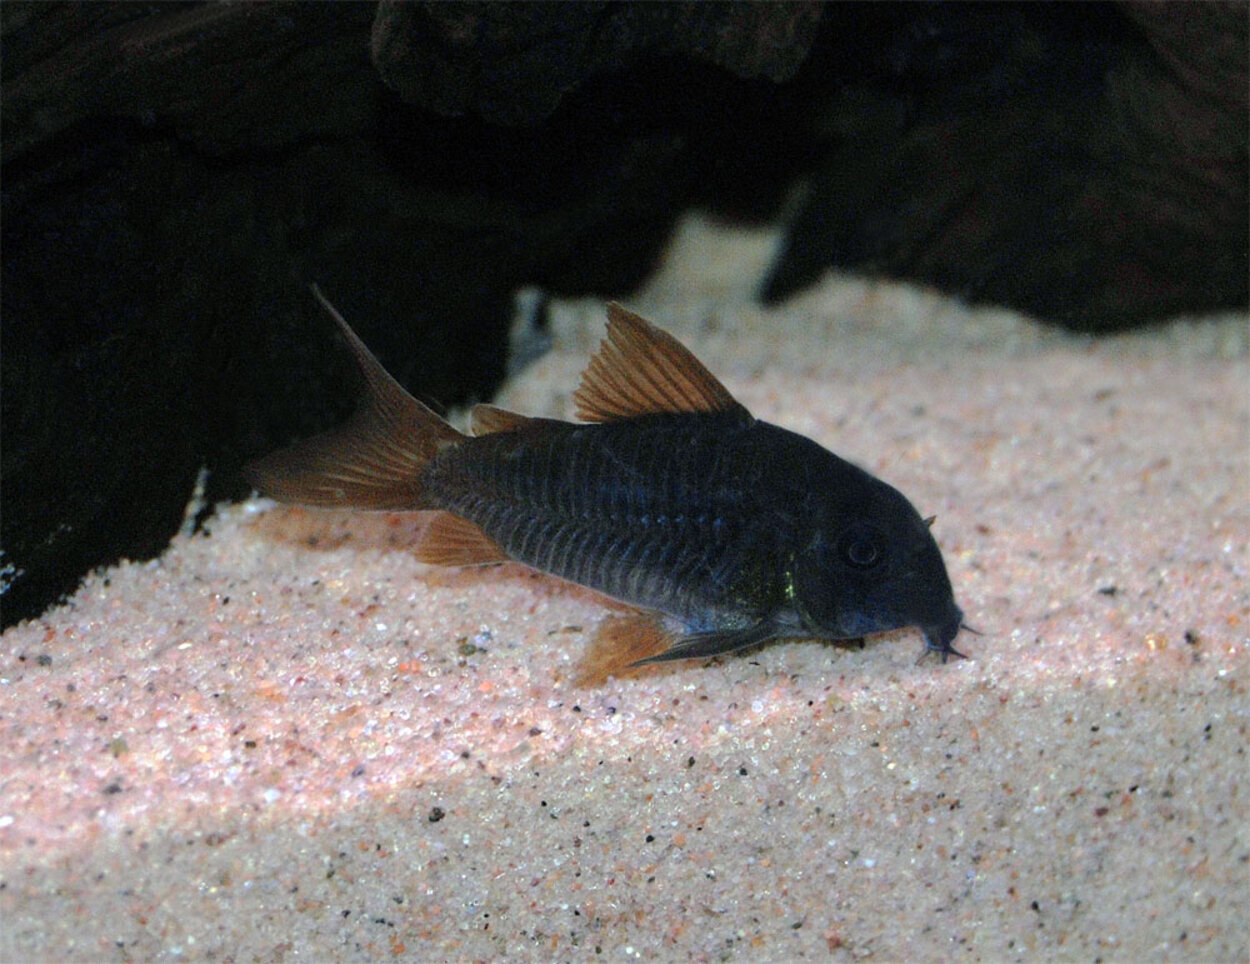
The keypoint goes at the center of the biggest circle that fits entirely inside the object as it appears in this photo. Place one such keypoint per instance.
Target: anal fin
(450, 540)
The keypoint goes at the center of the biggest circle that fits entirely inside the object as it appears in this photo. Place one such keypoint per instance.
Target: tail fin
(372, 461)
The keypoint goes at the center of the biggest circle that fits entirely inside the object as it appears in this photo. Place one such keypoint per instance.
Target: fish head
(875, 567)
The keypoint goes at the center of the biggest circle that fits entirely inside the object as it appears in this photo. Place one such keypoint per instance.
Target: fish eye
(860, 547)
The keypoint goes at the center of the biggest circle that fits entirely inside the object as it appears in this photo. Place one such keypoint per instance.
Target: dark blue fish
(724, 531)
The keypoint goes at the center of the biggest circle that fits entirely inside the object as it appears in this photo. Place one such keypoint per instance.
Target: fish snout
(938, 637)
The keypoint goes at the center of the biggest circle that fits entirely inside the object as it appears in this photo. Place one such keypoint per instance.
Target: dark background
(175, 175)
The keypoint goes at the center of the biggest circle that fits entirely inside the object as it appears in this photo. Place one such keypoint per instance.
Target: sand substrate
(286, 739)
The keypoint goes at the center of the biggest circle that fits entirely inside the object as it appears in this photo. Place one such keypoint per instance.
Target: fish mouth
(938, 638)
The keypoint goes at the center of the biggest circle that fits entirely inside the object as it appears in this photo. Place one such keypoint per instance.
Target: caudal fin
(372, 461)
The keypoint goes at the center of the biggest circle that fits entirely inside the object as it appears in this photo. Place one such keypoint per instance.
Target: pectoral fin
(623, 643)
(703, 645)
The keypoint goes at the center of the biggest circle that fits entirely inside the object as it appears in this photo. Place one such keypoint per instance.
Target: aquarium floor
(286, 739)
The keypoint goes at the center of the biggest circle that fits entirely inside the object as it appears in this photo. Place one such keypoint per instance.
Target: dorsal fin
(641, 370)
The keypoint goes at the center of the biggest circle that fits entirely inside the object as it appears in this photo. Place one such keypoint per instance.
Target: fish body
(724, 531)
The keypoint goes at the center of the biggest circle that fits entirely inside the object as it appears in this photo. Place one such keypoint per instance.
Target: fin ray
(641, 370)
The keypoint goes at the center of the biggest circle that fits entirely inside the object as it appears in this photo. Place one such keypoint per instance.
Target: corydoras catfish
(719, 530)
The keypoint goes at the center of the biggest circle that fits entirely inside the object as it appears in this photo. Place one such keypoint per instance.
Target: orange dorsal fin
(641, 370)
(452, 541)
(372, 461)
